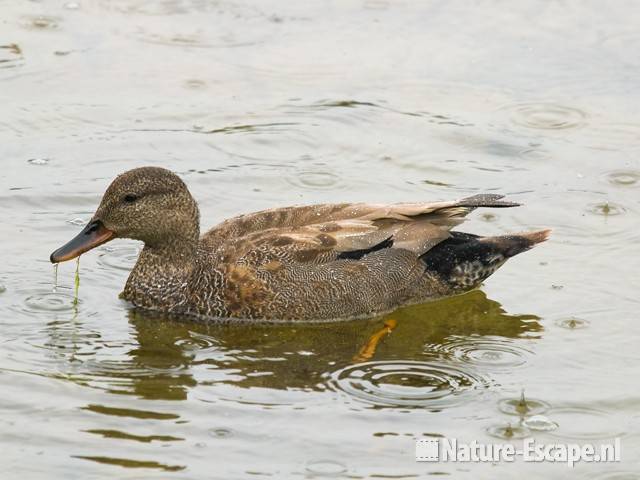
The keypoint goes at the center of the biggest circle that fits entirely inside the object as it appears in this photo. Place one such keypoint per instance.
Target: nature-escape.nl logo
(450, 450)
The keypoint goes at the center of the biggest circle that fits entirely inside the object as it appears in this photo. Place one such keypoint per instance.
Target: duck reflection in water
(185, 354)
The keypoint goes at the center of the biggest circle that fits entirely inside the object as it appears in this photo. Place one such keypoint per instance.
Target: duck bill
(93, 235)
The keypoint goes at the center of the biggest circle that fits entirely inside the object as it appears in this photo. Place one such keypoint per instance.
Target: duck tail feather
(515, 243)
(486, 200)
(464, 260)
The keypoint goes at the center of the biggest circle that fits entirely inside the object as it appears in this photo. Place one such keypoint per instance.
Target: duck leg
(368, 350)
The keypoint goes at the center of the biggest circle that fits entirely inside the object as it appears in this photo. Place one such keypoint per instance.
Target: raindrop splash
(607, 209)
(572, 323)
(508, 432)
(220, 432)
(523, 406)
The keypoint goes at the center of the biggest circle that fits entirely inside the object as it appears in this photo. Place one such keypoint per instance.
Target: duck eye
(130, 198)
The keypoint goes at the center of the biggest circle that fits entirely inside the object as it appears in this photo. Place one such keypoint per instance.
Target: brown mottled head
(150, 204)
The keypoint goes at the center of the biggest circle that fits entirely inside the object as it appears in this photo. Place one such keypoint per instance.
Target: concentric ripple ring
(435, 384)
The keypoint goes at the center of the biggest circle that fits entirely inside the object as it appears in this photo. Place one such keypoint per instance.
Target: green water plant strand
(76, 282)
(55, 277)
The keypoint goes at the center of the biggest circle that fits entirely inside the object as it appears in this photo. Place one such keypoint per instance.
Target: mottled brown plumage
(319, 262)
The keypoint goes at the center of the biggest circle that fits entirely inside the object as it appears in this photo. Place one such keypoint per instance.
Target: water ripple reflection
(11, 56)
(130, 463)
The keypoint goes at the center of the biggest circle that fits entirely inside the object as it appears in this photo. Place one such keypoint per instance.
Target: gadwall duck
(318, 262)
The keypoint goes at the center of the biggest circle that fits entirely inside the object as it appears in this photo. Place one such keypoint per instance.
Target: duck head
(150, 204)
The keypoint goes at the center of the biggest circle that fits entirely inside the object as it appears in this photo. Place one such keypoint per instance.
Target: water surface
(268, 104)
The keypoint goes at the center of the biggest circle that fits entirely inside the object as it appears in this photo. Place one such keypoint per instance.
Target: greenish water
(268, 104)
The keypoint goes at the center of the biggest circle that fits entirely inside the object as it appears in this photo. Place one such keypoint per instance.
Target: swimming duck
(318, 262)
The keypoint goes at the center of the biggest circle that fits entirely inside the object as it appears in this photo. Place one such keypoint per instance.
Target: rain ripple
(584, 423)
(485, 351)
(606, 209)
(329, 468)
(620, 476)
(612, 137)
(234, 29)
(546, 116)
(435, 385)
(624, 178)
(121, 257)
(39, 301)
(508, 432)
(316, 179)
(572, 323)
(197, 38)
(178, 7)
(40, 22)
(523, 406)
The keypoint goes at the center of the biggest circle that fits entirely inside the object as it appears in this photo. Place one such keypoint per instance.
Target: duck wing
(321, 233)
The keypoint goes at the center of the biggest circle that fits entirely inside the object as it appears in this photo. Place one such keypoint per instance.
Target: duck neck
(159, 278)
(179, 252)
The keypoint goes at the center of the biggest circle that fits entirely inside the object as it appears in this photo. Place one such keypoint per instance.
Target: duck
(324, 262)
